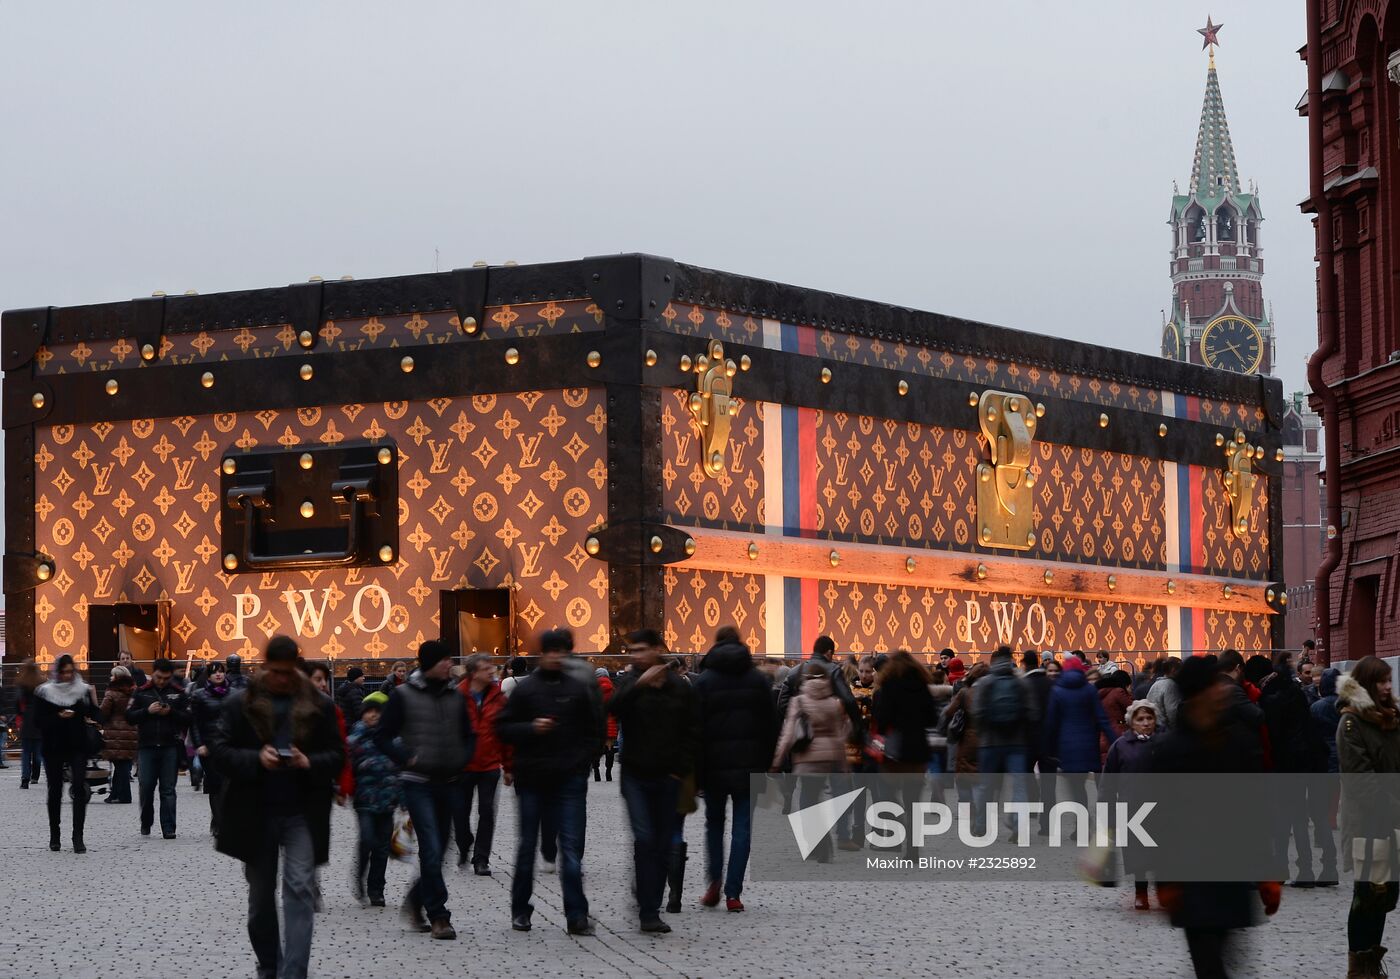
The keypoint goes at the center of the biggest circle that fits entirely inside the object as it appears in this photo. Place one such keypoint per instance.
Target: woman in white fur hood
(63, 708)
(1368, 744)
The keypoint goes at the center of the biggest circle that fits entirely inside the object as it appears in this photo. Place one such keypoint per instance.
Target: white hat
(1138, 705)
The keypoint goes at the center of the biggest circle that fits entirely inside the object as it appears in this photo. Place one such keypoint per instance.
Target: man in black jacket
(278, 745)
(553, 723)
(160, 711)
(738, 731)
(655, 710)
(427, 729)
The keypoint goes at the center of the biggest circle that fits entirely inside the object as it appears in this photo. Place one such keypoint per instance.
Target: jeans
(30, 753)
(483, 785)
(289, 960)
(121, 782)
(651, 809)
(998, 760)
(564, 805)
(739, 842)
(433, 807)
(162, 764)
(376, 829)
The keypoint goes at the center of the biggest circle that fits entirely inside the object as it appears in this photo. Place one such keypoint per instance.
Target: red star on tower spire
(1209, 33)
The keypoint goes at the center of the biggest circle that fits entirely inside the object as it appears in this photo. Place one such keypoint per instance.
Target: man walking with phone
(160, 712)
(279, 748)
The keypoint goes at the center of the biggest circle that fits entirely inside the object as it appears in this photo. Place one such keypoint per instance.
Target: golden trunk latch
(1240, 480)
(713, 404)
(1005, 508)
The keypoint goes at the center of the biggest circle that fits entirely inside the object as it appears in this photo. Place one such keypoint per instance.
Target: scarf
(63, 694)
(219, 691)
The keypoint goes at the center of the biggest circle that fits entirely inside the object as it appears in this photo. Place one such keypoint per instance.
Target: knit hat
(1138, 705)
(122, 673)
(353, 674)
(600, 672)
(956, 670)
(377, 700)
(431, 652)
(1072, 663)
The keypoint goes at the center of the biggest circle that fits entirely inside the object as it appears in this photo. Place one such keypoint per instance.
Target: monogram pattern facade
(718, 324)
(495, 492)
(871, 618)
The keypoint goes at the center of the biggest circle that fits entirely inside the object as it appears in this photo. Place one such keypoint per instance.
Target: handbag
(803, 726)
(957, 725)
(94, 740)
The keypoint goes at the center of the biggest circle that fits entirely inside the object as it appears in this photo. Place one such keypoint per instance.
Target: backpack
(1003, 705)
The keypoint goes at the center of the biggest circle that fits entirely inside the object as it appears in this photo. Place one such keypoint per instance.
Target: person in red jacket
(605, 687)
(482, 775)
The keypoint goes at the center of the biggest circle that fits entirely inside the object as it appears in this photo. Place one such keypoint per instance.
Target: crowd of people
(426, 750)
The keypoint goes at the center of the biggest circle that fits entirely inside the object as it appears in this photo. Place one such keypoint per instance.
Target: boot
(675, 877)
(1378, 967)
(1354, 966)
(1140, 902)
(79, 820)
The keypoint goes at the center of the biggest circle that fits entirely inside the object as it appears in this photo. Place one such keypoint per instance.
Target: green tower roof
(1213, 172)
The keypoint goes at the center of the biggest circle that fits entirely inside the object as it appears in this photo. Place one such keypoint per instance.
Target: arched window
(1225, 223)
(1195, 225)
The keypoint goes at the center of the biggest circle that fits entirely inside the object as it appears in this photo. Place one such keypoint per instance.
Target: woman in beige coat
(825, 754)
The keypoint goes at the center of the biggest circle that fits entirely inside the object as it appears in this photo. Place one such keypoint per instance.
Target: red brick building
(1353, 112)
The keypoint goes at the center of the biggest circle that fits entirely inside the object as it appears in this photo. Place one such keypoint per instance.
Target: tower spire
(1213, 171)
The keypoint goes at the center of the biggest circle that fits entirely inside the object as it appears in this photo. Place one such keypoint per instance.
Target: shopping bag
(1099, 865)
(403, 843)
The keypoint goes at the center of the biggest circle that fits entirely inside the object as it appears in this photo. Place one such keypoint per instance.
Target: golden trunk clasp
(1240, 480)
(1005, 507)
(713, 404)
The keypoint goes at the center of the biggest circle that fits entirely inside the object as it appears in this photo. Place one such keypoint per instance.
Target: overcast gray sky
(1006, 161)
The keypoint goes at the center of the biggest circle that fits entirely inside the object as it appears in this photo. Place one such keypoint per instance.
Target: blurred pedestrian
(1115, 692)
(279, 749)
(519, 669)
(1205, 740)
(377, 797)
(350, 695)
(657, 718)
(65, 710)
(118, 736)
(738, 732)
(30, 736)
(426, 729)
(206, 709)
(1165, 694)
(1003, 707)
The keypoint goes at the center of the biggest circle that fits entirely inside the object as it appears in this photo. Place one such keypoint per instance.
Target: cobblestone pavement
(143, 906)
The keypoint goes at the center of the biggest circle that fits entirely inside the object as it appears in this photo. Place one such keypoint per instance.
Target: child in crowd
(376, 792)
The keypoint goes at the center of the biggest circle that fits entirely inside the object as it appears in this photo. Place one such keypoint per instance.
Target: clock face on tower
(1232, 343)
(1171, 342)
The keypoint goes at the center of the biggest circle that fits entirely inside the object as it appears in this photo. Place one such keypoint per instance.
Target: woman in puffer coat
(1074, 720)
(118, 736)
(826, 752)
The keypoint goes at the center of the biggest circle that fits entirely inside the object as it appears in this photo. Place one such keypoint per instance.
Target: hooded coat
(1292, 736)
(118, 736)
(1368, 742)
(1326, 715)
(738, 720)
(830, 726)
(1074, 720)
